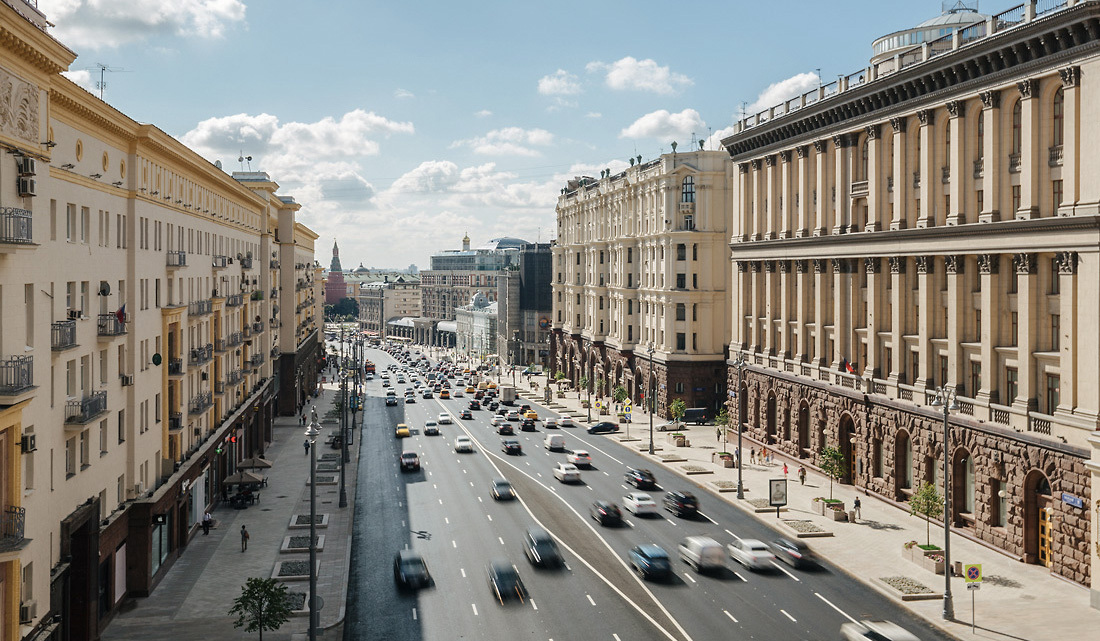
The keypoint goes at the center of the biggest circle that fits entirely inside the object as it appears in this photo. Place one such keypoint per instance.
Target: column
(991, 172)
(1029, 152)
(742, 327)
(805, 194)
(927, 166)
(1071, 400)
(805, 308)
(758, 226)
(842, 312)
(757, 310)
(960, 172)
(771, 199)
(1027, 330)
(957, 370)
(990, 296)
(783, 344)
(1071, 119)
(926, 293)
(770, 305)
(842, 180)
(786, 196)
(876, 186)
(897, 313)
(822, 199)
(876, 311)
(821, 301)
(744, 183)
(899, 175)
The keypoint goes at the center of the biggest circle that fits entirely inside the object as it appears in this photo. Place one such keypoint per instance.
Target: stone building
(525, 307)
(927, 224)
(392, 297)
(335, 287)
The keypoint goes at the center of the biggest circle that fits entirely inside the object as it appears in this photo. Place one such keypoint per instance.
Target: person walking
(718, 433)
(305, 444)
(802, 475)
(244, 538)
(207, 521)
(784, 470)
(752, 456)
(855, 507)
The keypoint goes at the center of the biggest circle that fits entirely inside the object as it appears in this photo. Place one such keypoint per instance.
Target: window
(975, 378)
(876, 457)
(695, 251)
(1055, 277)
(1016, 198)
(1017, 124)
(681, 311)
(679, 388)
(694, 342)
(630, 332)
(1012, 385)
(694, 311)
(967, 465)
(695, 281)
(630, 280)
(578, 258)
(943, 370)
(601, 302)
(70, 457)
(981, 136)
(601, 256)
(1055, 332)
(630, 254)
(947, 146)
(915, 362)
(84, 458)
(1053, 394)
(630, 308)
(999, 499)
(980, 197)
(687, 190)
(1055, 196)
(1059, 112)
(681, 252)
(681, 281)
(863, 160)
(681, 341)
(1014, 327)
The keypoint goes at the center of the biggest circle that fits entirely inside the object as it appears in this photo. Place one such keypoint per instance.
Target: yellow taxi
(482, 386)
(445, 393)
(402, 431)
(471, 389)
(531, 414)
(492, 386)
(466, 370)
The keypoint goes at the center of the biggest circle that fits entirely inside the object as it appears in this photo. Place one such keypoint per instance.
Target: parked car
(875, 631)
(603, 427)
(541, 549)
(410, 462)
(793, 552)
(641, 479)
(409, 570)
(682, 504)
(501, 490)
(639, 504)
(567, 473)
(464, 444)
(650, 561)
(580, 458)
(504, 581)
(702, 553)
(751, 553)
(511, 446)
(606, 513)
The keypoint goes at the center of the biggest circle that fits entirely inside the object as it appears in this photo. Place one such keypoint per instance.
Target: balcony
(274, 264)
(234, 377)
(234, 300)
(257, 360)
(1055, 157)
(274, 293)
(246, 262)
(860, 188)
(12, 523)
(219, 345)
(219, 387)
(175, 367)
(16, 378)
(945, 174)
(200, 308)
(111, 324)
(176, 259)
(257, 327)
(234, 339)
(275, 352)
(200, 355)
(1014, 163)
(175, 421)
(257, 295)
(15, 226)
(87, 409)
(247, 331)
(979, 168)
(200, 403)
(63, 335)
(220, 262)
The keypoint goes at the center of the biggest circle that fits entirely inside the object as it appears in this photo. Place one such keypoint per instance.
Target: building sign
(1075, 501)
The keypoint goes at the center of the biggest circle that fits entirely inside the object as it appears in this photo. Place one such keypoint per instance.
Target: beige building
(144, 300)
(392, 297)
(930, 221)
(639, 274)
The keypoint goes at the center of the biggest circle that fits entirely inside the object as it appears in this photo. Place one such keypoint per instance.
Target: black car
(681, 504)
(504, 581)
(528, 425)
(474, 405)
(650, 561)
(606, 512)
(603, 427)
(541, 549)
(502, 490)
(641, 479)
(409, 571)
(793, 552)
(391, 400)
(493, 406)
(511, 446)
(504, 429)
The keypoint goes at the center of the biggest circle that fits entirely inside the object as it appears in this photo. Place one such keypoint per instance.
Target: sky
(402, 126)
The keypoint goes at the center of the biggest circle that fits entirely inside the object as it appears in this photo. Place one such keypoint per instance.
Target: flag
(850, 367)
(121, 314)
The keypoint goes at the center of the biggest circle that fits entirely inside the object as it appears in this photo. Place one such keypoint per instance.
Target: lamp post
(739, 363)
(311, 434)
(946, 398)
(343, 435)
(588, 391)
(652, 405)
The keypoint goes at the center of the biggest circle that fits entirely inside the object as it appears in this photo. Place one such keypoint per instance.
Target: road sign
(972, 573)
(973, 586)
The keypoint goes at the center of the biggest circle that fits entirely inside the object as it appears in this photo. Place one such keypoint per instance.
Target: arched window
(687, 190)
(1059, 111)
(1017, 124)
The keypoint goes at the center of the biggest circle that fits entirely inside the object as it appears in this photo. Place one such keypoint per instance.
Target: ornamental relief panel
(18, 108)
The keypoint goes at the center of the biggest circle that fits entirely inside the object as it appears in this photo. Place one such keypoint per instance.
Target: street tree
(927, 502)
(262, 605)
(832, 464)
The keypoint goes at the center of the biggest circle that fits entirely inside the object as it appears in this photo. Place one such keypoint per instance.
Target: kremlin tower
(335, 289)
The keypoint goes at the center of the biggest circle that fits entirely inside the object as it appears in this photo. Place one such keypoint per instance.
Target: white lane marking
(708, 518)
(689, 577)
(528, 463)
(501, 540)
(590, 488)
(447, 520)
(463, 571)
(454, 543)
(414, 614)
(738, 575)
(784, 571)
(606, 474)
(538, 474)
(441, 501)
(471, 483)
(590, 600)
(489, 516)
(479, 500)
(727, 613)
(831, 605)
(434, 486)
(533, 604)
(474, 606)
(733, 535)
(628, 523)
(615, 636)
(788, 615)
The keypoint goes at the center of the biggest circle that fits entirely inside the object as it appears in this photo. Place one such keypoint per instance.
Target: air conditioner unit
(28, 611)
(26, 166)
(127, 380)
(27, 186)
(28, 443)
(75, 314)
(139, 489)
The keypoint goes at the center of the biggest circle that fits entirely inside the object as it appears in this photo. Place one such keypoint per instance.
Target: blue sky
(400, 126)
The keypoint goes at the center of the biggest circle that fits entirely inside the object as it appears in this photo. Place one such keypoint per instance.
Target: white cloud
(593, 114)
(783, 90)
(640, 75)
(81, 77)
(559, 83)
(484, 113)
(714, 141)
(665, 126)
(106, 24)
(403, 93)
(510, 141)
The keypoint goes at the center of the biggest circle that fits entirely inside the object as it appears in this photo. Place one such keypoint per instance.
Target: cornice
(31, 44)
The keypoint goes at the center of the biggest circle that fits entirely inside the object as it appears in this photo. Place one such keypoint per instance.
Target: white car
(639, 503)
(565, 421)
(444, 418)
(458, 393)
(751, 553)
(513, 416)
(567, 473)
(497, 421)
(464, 444)
(580, 458)
(551, 423)
(431, 428)
(867, 630)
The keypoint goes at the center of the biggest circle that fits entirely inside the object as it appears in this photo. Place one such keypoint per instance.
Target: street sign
(972, 573)
(973, 586)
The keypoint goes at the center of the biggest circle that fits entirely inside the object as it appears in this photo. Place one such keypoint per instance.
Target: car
(470, 389)
(410, 462)
(751, 553)
(491, 386)
(457, 393)
(682, 504)
(401, 431)
(511, 446)
(650, 561)
(444, 418)
(494, 405)
(565, 421)
(427, 393)
(580, 458)
(639, 503)
(567, 473)
(541, 549)
(466, 415)
(386, 375)
(550, 423)
(504, 581)
(527, 425)
(410, 398)
(606, 513)
(505, 429)
(641, 479)
(512, 416)
(431, 428)
(391, 400)
(385, 384)
(464, 444)
(444, 394)
(531, 414)
(409, 571)
(479, 395)
(603, 427)
(793, 552)
(703, 554)
(474, 405)
(875, 631)
(523, 409)
(496, 421)
(501, 490)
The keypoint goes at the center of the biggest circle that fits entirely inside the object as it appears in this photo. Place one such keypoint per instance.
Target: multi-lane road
(446, 513)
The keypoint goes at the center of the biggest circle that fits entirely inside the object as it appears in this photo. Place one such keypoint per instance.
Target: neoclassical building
(639, 277)
(934, 220)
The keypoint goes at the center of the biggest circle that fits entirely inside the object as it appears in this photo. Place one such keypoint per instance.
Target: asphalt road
(446, 512)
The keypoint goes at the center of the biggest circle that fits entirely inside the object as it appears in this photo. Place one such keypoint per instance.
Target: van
(554, 442)
(697, 415)
(703, 554)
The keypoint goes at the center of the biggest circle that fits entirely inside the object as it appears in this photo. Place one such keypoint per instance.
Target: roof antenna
(244, 158)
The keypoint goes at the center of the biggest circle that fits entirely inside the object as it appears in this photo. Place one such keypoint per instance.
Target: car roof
(652, 550)
(409, 555)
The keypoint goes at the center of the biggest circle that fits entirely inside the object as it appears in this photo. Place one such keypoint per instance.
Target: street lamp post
(652, 405)
(311, 434)
(946, 398)
(739, 363)
(343, 434)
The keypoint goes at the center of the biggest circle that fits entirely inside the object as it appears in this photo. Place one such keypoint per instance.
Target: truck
(507, 395)
(370, 368)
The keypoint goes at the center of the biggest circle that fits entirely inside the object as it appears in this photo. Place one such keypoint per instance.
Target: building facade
(525, 307)
(640, 278)
(476, 330)
(393, 297)
(140, 325)
(927, 223)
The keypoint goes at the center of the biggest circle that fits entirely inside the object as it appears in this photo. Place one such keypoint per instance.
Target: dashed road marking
(414, 614)
(501, 540)
(463, 571)
(784, 571)
(689, 577)
(447, 520)
(474, 606)
(738, 575)
(708, 518)
(733, 535)
(818, 595)
(489, 516)
(454, 543)
(727, 613)
(533, 604)
(788, 615)
(590, 600)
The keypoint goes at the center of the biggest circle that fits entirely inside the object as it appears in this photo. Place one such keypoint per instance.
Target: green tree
(583, 382)
(927, 502)
(600, 382)
(723, 418)
(677, 407)
(559, 376)
(262, 605)
(619, 394)
(832, 464)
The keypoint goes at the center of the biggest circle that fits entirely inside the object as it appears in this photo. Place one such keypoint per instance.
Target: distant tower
(466, 243)
(335, 288)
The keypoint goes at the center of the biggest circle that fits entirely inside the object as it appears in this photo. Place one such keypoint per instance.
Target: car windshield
(503, 485)
(412, 565)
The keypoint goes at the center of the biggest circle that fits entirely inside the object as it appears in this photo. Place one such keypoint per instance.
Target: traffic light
(219, 451)
(232, 439)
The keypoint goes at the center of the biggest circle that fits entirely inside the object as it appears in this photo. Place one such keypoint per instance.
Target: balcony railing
(257, 360)
(246, 263)
(84, 410)
(201, 403)
(175, 421)
(1013, 163)
(15, 226)
(16, 374)
(979, 168)
(219, 387)
(234, 377)
(257, 327)
(175, 366)
(220, 262)
(274, 264)
(274, 293)
(111, 325)
(234, 339)
(1055, 158)
(12, 522)
(219, 345)
(63, 334)
(200, 307)
(177, 259)
(860, 188)
(234, 300)
(246, 331)
(200, 355)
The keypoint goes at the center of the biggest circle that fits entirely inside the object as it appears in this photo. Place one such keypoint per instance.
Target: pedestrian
(206, 522)
(752, 455)
(802, 475)
(784, 470)
(244, 539)
(855, 507)
(718, 434)
(764, 454)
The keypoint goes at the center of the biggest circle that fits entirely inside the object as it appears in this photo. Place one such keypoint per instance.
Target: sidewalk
(1016, 601)
(191, 603)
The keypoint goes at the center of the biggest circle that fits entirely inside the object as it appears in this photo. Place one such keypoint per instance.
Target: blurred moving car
(464, 444)
(751, 553)
(650, 561)
(682, 504)
(410, 462)
(875, 631)
(504, 581)
(466, 415)
(639, 504)
(541, 549)
(603, 427)
(511, 446)
(409, 571)
(567, 473)
(641, 479)
(580, 458)
(501, 490)
(606, 513)
(431, 428)
(444, 418)
(793, 552)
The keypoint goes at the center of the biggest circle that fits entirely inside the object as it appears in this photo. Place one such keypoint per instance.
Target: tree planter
(931, 560)
(821, 506)
(837, 514)
(725, 459)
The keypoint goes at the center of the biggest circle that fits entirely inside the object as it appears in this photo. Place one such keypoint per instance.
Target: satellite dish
(218, 164)
(104, 288)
